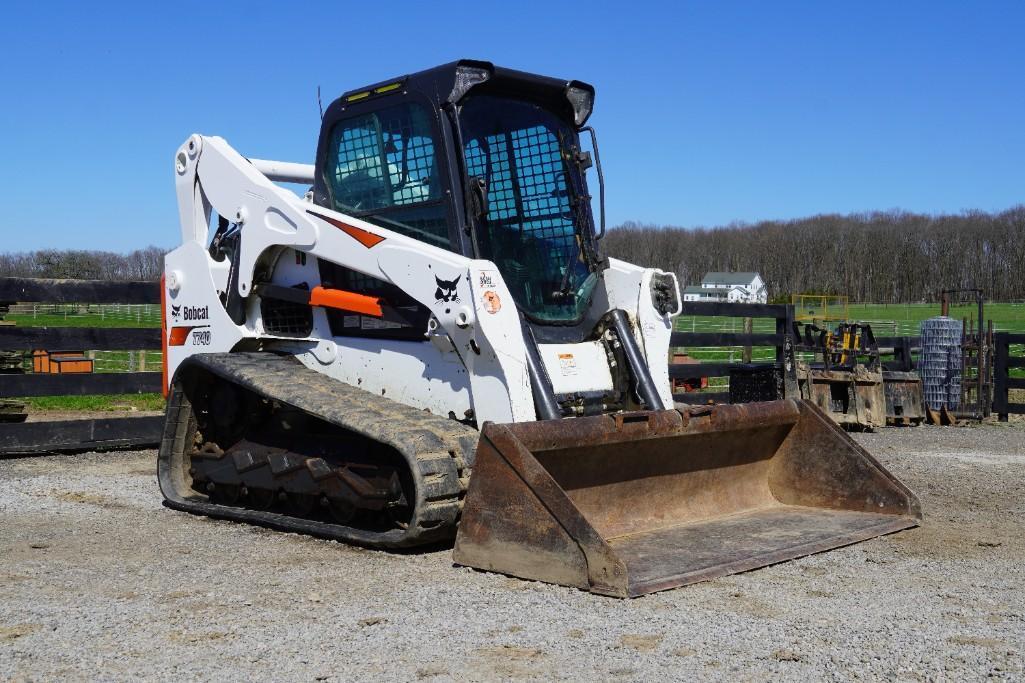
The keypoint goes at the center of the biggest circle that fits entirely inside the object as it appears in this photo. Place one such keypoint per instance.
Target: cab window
(382, 167)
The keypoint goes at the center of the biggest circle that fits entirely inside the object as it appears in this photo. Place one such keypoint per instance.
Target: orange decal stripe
(179, 335)
(346, 301)
(364, 237)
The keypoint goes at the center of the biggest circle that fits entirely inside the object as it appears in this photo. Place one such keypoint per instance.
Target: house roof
(694, 289)
(722, 278)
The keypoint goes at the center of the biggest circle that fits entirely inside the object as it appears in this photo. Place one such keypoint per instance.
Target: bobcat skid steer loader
(430, 345)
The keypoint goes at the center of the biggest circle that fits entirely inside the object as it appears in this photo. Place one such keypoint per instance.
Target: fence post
(748, 329)
(1000, 372)
(784, 325)
(786, 356)
(906, 362)
(989, 365)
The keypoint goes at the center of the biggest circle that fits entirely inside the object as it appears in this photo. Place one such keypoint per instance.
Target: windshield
(534, 223)
(381, 167)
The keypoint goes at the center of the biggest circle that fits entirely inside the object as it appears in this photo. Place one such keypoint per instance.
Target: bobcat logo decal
(176, 311)
(446, 290)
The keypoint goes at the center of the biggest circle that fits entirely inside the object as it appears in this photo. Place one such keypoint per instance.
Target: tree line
(883, 257)
(141, 264)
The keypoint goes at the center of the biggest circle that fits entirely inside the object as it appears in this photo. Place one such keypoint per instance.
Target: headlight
(581, 98)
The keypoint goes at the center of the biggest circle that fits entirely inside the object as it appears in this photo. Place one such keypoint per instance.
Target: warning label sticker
(367, 323)
(492, 303)
(374, 324)
(567, 364)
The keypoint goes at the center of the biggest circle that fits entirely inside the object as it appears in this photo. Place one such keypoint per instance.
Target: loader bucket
(634, 503)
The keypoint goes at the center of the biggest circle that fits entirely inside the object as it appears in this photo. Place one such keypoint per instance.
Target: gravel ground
(99, 581)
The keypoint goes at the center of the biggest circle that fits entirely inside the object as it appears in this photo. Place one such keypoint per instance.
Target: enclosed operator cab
(477, 159)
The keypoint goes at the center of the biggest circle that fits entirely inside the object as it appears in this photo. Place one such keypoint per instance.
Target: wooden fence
(901, 348)
(787, 341)
(1002, 380)
(782, 339)
(86, 433)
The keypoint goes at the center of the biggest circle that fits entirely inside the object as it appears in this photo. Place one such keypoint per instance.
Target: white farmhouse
(748, 288)
(697, 293)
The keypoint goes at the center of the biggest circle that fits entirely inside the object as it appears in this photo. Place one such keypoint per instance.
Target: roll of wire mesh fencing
(940, 362)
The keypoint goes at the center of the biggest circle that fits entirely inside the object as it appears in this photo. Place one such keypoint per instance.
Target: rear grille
(286, 318)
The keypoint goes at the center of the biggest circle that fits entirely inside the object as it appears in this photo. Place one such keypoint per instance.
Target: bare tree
(141, 264)
(885, 257)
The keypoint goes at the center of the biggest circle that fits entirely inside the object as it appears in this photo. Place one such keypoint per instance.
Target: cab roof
(448, 84)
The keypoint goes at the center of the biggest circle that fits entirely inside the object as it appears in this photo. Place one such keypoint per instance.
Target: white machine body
(472, 359)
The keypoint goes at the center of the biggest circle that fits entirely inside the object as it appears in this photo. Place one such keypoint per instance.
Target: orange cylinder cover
(346, 301)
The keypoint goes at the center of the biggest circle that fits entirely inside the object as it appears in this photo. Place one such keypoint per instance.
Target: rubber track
(438, 450)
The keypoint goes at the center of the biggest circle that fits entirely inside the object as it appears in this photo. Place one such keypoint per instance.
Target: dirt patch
(8, 578)
(991, 643)
(641, 643)
(787, 656)
(511, 652)
(751, 605)
(431, 671)
(197, 637)
(97, 499)
(9, 633)
(508, 661)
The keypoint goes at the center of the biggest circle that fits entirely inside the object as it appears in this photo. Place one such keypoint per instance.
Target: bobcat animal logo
(446, 290)
(176, 311)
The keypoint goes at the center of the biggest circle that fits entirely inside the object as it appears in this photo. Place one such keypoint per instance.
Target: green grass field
(65, 315)
(78, 321)
(893, 320)
(887, 320)
(111, 402)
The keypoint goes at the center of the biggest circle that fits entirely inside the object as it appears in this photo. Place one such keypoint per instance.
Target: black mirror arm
(601, 182)
(479, 188)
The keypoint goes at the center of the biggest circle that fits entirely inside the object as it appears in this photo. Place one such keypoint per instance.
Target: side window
(382, 167)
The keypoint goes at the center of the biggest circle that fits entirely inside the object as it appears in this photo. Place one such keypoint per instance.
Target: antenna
(320, 105)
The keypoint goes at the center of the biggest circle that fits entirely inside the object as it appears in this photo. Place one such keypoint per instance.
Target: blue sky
(707, 113)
